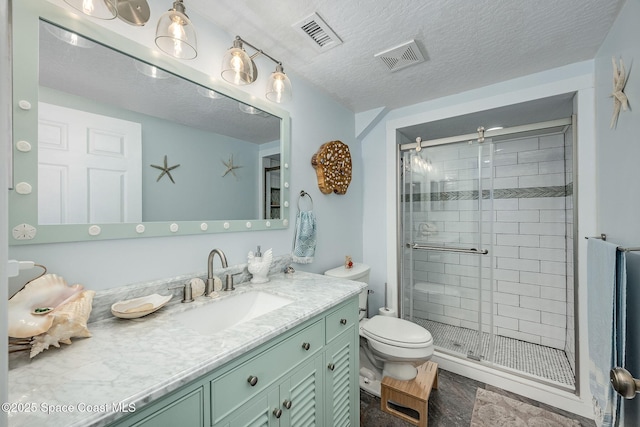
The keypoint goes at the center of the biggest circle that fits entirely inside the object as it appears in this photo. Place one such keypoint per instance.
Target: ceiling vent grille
(401, 56)
(322, 36)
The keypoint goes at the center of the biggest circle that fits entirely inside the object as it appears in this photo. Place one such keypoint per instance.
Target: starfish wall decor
(620, 99)
(166, 170)
(230, 167)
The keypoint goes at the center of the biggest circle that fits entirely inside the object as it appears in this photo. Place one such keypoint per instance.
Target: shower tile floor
(534, 359)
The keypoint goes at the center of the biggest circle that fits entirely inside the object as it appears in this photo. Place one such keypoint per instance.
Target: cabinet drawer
(233, 389)
(341, 319)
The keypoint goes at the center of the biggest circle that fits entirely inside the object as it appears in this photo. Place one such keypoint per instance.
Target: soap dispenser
(258, 265)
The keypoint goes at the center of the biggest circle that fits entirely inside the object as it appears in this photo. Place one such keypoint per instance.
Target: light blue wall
(315, 119)
(618, 171)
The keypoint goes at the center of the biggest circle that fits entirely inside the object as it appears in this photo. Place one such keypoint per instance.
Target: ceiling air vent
(321, 35)
(401, 56)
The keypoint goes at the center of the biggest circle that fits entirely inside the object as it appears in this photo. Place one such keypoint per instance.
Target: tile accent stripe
(501, 193)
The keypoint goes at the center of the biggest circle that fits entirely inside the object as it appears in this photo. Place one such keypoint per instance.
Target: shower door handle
(447, 249)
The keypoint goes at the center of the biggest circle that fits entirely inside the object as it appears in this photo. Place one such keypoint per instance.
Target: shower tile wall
(525, 230)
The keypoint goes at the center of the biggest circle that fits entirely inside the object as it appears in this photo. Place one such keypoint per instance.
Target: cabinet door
(341, 385)
(301, 396)
(259, 411)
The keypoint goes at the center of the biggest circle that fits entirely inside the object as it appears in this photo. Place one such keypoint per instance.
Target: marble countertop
(136, 361)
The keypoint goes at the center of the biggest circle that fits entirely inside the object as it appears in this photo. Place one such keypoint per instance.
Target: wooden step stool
(412, 394)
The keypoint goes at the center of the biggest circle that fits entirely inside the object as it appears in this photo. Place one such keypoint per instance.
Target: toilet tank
(360, 273)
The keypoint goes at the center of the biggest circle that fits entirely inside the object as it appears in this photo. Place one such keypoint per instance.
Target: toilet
(389, 346)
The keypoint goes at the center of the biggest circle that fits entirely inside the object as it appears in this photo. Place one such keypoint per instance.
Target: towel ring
(303, 194)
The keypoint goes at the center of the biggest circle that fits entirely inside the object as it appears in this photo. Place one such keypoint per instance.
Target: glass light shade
(208, 93)
(278, 87)
(237, 67)
(151, 70)
(250, 109)
(176, 36)
(101, 9)
(69, 37)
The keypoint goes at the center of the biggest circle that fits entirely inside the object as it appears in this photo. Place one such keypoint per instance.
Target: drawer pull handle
(287, 404)
(331, 366)
(306, 346)
(343, 321)
(252, 380)
(277, 412)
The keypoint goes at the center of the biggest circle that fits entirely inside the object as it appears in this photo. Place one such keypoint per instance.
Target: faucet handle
(228, 286)
(187, 295)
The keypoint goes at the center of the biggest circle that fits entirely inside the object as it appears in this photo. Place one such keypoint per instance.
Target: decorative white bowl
(138, 307)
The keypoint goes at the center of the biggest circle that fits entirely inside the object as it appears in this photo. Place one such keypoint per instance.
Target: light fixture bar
(258, 51)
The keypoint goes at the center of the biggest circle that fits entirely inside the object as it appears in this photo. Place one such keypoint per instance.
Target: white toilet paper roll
(386, 311)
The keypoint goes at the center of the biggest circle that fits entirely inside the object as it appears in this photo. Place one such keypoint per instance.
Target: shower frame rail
(447, 249)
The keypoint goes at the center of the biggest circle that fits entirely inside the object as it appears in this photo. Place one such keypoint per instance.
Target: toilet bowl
(389, 346)
(399, 345)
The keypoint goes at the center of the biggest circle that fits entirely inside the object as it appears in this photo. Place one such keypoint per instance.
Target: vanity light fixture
(240, 69)
(101, 9)
(134, 12)
(175, 34)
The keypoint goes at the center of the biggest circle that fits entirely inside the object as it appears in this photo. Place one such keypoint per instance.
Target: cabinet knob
(331, 366)
(343, 321)
(277, 412)
(306, 346)
(252, 380)
(287, 404)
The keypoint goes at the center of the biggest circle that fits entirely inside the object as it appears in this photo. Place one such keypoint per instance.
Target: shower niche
(487, 237)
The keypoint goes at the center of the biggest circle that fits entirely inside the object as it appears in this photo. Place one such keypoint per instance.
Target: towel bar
(620, 248)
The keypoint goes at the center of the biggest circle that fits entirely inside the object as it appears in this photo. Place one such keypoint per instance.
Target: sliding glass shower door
(447, 219)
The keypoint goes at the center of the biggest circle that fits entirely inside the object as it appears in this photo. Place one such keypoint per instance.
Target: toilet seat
(396, 332)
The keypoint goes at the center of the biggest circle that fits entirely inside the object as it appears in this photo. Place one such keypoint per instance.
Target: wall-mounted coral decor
(332, 163)
(619, 97)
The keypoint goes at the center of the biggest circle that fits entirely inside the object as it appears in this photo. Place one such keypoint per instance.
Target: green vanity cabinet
(342, 398)
(294, 401)
(306, 376)
(184, 408)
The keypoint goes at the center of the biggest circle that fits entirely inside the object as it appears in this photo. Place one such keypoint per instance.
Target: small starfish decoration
(619, 97)
(165, 170)
(230, 167)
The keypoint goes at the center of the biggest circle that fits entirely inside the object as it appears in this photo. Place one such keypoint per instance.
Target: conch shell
(66, 310)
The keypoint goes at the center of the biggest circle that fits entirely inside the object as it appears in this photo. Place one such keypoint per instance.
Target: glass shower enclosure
(486, 250)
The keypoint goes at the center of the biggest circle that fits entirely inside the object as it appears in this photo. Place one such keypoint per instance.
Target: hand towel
(602, 305)
(304, 244)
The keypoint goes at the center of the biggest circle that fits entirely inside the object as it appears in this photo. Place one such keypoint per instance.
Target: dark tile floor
(451, 405)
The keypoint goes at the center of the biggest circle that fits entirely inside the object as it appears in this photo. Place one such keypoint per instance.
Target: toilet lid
(397, 332)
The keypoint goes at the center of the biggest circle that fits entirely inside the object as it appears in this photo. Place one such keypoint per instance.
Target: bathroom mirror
(112, 140)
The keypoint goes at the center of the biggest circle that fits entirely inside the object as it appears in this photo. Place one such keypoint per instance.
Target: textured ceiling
(467, 44)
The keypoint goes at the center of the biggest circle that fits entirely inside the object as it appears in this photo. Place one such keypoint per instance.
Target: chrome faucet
(223, 259)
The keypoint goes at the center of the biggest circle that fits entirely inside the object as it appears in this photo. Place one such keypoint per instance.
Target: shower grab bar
(620, 248)
(447, 249)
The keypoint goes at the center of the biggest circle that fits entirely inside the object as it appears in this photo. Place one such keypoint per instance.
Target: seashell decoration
(48, 312)
(332, 163)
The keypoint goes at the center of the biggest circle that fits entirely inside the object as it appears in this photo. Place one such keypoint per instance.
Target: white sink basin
(230, 311)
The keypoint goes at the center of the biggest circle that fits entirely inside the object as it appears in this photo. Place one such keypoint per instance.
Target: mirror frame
(23, 197)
